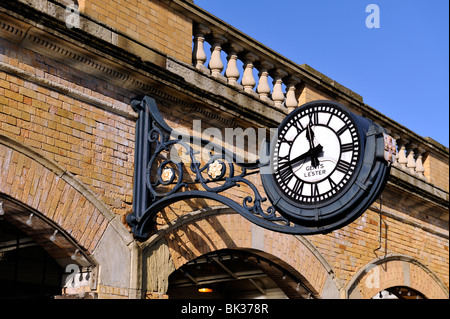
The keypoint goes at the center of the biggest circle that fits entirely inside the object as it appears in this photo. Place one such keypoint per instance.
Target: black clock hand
(313, 153)
(310, 137)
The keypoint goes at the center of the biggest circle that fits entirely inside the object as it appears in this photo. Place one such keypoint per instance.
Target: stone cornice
(422, 189)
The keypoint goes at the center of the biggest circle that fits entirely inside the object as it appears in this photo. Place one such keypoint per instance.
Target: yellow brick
(64, 113)
(10, 128)
(63, 145)
(13, 95)
(28, 92)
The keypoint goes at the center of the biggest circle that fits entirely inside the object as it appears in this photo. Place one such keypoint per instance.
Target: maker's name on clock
(315, 171)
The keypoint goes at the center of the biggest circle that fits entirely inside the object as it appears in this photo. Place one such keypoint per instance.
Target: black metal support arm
(160, 181)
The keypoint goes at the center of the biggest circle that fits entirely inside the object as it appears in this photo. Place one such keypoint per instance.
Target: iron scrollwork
(160, 180)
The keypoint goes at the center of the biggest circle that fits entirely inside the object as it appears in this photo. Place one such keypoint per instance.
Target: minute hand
(313, 152)
(310, 137)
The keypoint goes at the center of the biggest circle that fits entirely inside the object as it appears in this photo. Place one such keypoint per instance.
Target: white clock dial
(316, 154)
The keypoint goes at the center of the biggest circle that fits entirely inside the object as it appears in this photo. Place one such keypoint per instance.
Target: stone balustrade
(282, 93)
(249, 57)
(410, 155)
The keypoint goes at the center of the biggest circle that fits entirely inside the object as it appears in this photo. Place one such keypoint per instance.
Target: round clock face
(316, 154)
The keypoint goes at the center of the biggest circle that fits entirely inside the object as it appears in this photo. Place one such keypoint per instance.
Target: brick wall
(436, 170)
(354, 246)
(150, 22)
(95, 145)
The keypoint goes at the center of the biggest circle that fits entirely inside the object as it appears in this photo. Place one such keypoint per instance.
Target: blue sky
(401, 69)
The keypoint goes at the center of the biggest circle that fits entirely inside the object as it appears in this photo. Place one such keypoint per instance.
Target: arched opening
(396, 276)
(26, 269)
(67, 220)
(399, 292)
(37, 259)
(239, 274)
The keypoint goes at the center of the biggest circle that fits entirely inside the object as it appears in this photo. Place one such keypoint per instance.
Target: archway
(399, 275)
(236, 273)
(38, 259)
(399, 292)
(26, 269)
(29, 179)
(207, 233)
(45, 201)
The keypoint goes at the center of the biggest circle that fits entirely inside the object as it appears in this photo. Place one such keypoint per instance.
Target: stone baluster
(277, 92)
(215, 62)
(420, 170)
(198, 54)
(411, 162)
(248, 80)
(232, 71)
(410, 156)
(263, 87)
(402, 160)
(291, 100)
(397, 147)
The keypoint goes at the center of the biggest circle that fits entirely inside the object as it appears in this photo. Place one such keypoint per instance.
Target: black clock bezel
(358, 193)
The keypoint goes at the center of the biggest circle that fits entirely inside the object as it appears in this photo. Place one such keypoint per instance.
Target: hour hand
(314, 161)
(313, 153)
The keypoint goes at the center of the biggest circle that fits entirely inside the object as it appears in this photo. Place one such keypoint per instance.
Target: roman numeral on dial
(299, 126)
(342, 130)
(282, 160)
(298, 186)
(285, 173)
(343, 166)
(346, 147)
(315, 190)
(314, 118)
(332, 183)
(284, 140)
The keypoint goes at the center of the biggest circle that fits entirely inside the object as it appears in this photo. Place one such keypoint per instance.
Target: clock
(327, 165)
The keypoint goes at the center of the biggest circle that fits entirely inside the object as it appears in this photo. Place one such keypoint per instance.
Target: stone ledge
(423, 189)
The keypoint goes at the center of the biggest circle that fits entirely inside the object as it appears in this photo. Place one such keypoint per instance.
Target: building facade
(69, 72)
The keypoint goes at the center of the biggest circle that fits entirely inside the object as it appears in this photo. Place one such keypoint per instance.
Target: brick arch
(395, 270)
(214, 229)
(45, 188)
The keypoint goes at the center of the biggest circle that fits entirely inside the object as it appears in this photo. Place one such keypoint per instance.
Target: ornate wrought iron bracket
(160, 180)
